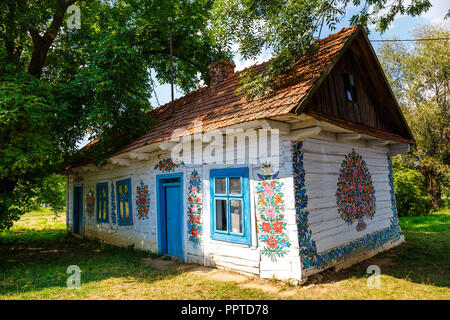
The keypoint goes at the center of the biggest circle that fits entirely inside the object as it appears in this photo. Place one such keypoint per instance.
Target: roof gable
(375, 113)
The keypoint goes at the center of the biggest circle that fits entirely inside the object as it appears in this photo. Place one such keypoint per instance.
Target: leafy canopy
(419, 75)
(289, 28)
(59, 84)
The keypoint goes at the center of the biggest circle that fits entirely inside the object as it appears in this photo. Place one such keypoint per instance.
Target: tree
(290, 27)
(420, 78)
(57, 84)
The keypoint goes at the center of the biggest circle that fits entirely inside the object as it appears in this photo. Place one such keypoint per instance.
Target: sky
(401, 29)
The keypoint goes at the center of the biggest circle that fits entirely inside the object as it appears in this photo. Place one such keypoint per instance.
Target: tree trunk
(434, 190)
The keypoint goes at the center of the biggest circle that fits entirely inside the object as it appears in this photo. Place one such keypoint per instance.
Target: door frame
(81, 211)
(161, 218)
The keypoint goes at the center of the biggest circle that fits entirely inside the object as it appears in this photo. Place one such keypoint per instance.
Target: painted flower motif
(278, 199)
(167, 165)
(195, 232)
(270, 208)
(272, 242)
(268, 191)
(270, 212)
(195, 229)
(142, 201)
(265, 226)
(278, 227)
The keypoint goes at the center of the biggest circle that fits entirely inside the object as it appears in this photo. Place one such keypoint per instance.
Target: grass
(35, 254)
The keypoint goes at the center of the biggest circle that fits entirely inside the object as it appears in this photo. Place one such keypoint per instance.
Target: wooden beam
(120, 162)
(342, 137)
(377, 142)
(283, 127)
(141, 156)
(302, 134)
(398, 148)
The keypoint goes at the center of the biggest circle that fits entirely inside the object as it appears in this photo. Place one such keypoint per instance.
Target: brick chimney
(219, 70)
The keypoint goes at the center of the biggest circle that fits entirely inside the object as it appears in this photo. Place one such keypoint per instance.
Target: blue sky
(401, 28)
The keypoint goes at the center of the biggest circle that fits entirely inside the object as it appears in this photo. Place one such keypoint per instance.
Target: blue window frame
(230, 205)
(124, 206)
(102, 202)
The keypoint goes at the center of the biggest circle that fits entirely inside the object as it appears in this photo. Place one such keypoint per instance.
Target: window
(124, 208)
(102, 202)
(350, 87)
(230, 214)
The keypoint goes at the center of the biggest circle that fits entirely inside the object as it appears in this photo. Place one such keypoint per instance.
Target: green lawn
(35, 254)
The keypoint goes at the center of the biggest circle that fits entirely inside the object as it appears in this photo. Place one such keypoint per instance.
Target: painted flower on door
(195, 205)
(142, 201)
(271, 224)
(355, 195)
(90, 203)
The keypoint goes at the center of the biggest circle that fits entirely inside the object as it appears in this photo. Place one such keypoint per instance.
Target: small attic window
(350, 87)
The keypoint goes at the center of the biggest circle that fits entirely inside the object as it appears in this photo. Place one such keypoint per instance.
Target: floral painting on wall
(142, 201)
(168, 165)
(271, 224)
(309, 255)
(355, 195)
(195, 206)
(90, 203)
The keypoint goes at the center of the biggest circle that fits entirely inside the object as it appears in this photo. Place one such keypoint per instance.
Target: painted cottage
(283, 186)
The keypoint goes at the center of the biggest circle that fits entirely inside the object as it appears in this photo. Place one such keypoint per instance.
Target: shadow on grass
(37, 260)
(423, 259)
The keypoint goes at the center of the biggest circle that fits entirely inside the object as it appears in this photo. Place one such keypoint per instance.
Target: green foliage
(58, 85)
(52, 192)
(410, 192)
(290, 27)
(420, 78)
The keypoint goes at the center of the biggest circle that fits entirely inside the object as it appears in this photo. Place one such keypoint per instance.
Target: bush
(411, 193)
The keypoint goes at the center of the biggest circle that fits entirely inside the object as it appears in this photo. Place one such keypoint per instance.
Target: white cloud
(437, 12)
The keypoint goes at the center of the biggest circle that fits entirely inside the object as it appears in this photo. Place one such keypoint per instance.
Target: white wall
(322, 163)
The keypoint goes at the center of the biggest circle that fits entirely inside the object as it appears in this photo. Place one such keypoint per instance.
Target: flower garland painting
(309, 256)
(355, 195)
(90, 203)
(142, 201)
(271, 224)
(168, 165)
(195, 206)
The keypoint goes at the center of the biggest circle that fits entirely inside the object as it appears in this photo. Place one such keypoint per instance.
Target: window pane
(104, 210)
(120, 190)
(125, 189)
(221, 185)
(221, 215)
(236, 216)
(127, 214)
(235, 185)
(349, 95)
(104, 192)
(121, 209)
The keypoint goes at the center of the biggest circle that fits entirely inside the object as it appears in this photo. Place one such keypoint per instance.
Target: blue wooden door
(173, 220)
(77, 209)
(170, 214)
